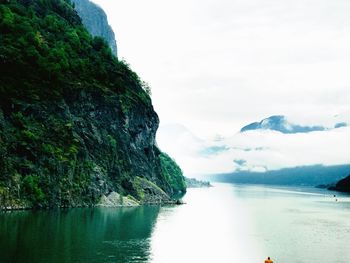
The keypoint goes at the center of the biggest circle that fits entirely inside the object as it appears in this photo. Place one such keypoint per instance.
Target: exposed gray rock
(150, 193)
(116, 200)
(96, 22)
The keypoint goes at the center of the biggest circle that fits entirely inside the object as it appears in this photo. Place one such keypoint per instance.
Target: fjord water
(226, 223)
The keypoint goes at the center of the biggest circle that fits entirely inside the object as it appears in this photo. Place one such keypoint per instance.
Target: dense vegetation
(172, 172)
(44, 43)
(75, 123)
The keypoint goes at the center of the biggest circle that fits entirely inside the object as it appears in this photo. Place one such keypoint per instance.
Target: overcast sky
(217, 65)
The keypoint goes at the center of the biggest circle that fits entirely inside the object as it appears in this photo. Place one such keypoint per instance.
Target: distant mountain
(281, 124)
(169, 132)
(305, 175)
(195, 183)
(340, 125)
(95, 20)
(342, 185)
(177, 138)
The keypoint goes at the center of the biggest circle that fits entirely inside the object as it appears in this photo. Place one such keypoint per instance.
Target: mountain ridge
(280, 123)
(312, 175)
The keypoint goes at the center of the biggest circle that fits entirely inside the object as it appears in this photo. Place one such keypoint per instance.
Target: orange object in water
(268, 260)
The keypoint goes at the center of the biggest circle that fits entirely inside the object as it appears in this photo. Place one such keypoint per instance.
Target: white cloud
(257, 150)
(289, 150)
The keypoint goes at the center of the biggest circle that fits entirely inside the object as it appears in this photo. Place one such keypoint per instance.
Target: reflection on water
(231, 223)
(226, 223)
(77, 235)
(212, 227)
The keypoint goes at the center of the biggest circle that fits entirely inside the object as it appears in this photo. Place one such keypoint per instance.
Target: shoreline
(113, 200)
(14, 209)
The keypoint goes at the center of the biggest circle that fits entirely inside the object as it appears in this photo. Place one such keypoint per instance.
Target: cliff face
(95, 20)
(76, 125)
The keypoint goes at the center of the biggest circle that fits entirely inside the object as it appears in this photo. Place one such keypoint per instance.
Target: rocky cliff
(76, 125)
(95, 20)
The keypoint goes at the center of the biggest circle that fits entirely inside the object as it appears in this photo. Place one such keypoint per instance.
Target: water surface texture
(226, 223)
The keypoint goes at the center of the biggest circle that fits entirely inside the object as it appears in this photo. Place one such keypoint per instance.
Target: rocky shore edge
(114, 200)
(150, 194)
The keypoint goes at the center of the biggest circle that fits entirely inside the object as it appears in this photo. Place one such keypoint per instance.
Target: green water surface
(77, 235)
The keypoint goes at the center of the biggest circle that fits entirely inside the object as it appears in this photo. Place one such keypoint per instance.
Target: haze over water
(226, 223)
